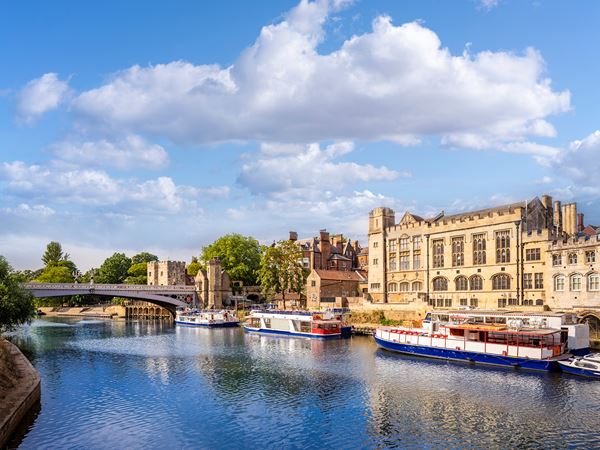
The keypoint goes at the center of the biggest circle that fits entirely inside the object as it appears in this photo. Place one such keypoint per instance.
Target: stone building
(213, 285)
(328, 252)
(166, 273)
(331, 288)
(491, 258)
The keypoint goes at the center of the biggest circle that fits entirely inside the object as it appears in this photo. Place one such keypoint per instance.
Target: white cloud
(580, 161)
(394, 83)
(41, 95)
(31, 211)
(489, 4)
(94, 188)
(309, 167)
(130, 152)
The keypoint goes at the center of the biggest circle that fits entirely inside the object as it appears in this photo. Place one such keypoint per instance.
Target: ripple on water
(133, 385)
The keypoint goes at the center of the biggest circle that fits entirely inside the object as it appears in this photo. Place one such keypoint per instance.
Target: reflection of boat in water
(585, 367)
(207, 318)
(313, 324)
(535, 341)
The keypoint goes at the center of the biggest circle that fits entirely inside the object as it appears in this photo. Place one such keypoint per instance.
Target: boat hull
(209, 325)
(292, 334)
(588, 373)
(470, 357)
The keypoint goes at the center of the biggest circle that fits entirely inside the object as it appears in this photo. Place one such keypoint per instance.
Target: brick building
(327, 252)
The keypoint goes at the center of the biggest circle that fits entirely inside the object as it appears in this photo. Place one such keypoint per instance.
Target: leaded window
(440, 284)
(438, 253)
(417, 286)
(392, 263)
(572, 258)
(539, 280)
(392, 287)
(478, 249)
(462, 284)
(594, 282)
(476, 283)
(404, 262)
(393, 246)
(417, 243)
(416, 261)
(532, 254)
(590, 257)
(501, 282)
(527, 281)
(559, 283)
(404, 244)
(557, 259)
(404, 287)
(458, 251)
(502, 246)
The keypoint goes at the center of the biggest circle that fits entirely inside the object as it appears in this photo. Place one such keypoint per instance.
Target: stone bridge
(166, 296)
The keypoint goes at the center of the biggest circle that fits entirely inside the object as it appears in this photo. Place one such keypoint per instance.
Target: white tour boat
(313, 324)
(207, 318)
(527, 340)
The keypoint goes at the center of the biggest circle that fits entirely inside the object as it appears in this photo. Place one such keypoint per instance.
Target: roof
(340, 257)
(340, 275)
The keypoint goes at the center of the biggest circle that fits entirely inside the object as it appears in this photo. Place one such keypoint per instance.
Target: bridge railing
(110, 287)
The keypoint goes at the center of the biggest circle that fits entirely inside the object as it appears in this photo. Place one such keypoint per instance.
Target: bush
(16, 303)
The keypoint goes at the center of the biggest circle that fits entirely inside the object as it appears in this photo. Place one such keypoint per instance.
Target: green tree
(56, 274)
(239, 255)
(194, 267)
(114, 269)
(16, 303)
(143, 257)
(137, 273)
(281, 271)
(53, 253)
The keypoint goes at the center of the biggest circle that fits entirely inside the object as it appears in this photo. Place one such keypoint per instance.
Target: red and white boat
(312, 324)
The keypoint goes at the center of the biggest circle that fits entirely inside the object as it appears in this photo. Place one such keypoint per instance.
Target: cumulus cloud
(488, 4)
(96, 188)
(30, 211)
(295, 167)
(40, 96)
(129, 152)
(580, 162)
(393, 83)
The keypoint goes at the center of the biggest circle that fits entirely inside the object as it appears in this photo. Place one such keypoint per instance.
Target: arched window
(539, 302)
(417, 286)
(461, 283)
(440, 284)
(392, 287)
(559, 283)
(476, 283)
(572, 258)
(575, 282)
(593, 282)
(501, 282)
(404, 287)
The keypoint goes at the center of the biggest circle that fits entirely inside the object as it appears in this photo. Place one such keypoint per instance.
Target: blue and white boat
(585, 367)
(310, 324)
(207, 318)
(518, 340)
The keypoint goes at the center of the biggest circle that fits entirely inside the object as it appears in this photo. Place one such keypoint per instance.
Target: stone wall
(19, 389)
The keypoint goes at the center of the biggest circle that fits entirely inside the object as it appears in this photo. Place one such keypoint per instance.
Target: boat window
(267, 323)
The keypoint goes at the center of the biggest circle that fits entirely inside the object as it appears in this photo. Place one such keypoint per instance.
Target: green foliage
(16, 304)
(143, 257)
(87, 277)
(114, 269)
(239, 255)
(25, 276)
(56, 274)
(280, 270)
(194, 267)
(138, 274)
(53, 253)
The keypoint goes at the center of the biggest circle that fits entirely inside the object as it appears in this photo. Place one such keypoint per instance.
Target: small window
(404, 262)
(594, 282)
(313, 283)
(575, 283)
(539, 281)
(557, 260)
(375, 261)
(464, 302)
(417, 286)
(393, 246)
(527, 281)
(375, 286)
(404, 244)
(590, 257)
(532, 254)
(559, 283)
(474, 302)
(375, 244)
(572, 258)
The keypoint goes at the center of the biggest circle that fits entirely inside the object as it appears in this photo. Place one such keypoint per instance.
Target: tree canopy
(143, 257)
(239, 255)
(53, 253)
(16, 303)
(194, 267)
(137, 273)
(56, 274)
(114, 269)
(280, 270)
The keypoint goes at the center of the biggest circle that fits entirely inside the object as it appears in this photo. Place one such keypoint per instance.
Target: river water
(111, 384)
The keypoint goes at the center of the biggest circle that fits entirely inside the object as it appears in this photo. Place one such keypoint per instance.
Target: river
(116, 384)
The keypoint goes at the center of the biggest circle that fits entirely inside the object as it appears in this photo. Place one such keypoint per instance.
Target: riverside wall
(20, 389)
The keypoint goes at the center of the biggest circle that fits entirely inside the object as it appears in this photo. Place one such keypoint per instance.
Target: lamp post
(518, 224)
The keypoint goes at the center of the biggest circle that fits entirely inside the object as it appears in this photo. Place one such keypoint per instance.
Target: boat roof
(504, 329)
(500, 313)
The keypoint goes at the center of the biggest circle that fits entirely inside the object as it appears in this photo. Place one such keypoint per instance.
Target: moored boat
(311, 324)
(502, 339)
(207, 318)
(585, 367)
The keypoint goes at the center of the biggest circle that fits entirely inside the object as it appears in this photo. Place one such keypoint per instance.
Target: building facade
(327, 252)
(331, 288)
(166, 273)
(488, 259)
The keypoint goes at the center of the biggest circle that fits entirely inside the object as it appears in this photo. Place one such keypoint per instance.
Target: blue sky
(161, 126)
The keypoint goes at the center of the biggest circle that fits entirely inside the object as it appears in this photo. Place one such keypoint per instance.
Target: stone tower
(380, 219)
(213, 273)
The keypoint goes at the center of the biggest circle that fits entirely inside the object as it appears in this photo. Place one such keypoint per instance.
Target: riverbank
(104, 312)
(19, 389)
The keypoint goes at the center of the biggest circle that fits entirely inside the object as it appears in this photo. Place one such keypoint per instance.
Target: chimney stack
(557, 216)
(293, 236)
(547, 201)
(579, 222)
(323, 235)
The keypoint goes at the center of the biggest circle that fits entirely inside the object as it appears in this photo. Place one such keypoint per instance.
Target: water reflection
(152, 385)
